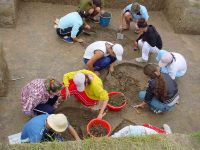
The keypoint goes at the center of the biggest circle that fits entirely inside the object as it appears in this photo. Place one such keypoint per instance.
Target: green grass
(196, 135)
(152, 142)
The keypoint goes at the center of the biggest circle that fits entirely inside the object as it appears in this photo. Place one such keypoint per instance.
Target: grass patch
(151, 142)
(196, 135)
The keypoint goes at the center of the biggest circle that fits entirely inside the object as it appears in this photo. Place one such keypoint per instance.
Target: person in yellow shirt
(87, 87)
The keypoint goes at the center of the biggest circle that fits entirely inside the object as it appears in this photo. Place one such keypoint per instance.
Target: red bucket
(101, 122)
(116, 108)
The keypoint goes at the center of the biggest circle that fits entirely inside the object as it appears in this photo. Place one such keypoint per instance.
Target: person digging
(92, 9)
(70, 26)
(88, 89)
(40, 127)
(132, 13)
(102, 54)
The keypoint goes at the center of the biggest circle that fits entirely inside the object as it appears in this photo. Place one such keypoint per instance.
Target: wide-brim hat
(57, 122)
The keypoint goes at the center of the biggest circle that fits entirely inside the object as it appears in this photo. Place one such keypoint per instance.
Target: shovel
(120, 36)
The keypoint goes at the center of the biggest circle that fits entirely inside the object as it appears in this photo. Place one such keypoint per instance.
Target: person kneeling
(70, 26)
(162, 92)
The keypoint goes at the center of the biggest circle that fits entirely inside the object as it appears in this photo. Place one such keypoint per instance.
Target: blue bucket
(105, 19)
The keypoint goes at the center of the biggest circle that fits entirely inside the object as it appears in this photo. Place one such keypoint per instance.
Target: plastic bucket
(101, 122)
(116, 108)
(105, 19)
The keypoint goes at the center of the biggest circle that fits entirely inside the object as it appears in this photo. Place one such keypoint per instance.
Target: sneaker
(140, 60)
(94, 20)
(157, 111)
(167, 129)
(68, 39)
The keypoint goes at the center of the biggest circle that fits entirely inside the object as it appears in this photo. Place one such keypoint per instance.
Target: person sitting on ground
(172, 63)
(133, 12)
(102, 54)
(140, 130)
(40, 96)
(162, 92)
(87, 87)
(92, 8)
(70, 26)
(37, 128)
(148, 41)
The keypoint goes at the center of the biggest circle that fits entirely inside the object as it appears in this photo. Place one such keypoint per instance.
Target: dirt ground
(33, 50)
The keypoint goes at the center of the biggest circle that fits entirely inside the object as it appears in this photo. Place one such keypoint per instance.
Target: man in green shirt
(92, 8)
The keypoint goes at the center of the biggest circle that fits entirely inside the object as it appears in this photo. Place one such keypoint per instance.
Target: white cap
(58, 122)
(165, 59)
(79, 80)
(118, 50)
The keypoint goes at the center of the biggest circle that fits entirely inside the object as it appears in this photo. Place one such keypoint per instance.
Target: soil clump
(98, 131)
(116, 100)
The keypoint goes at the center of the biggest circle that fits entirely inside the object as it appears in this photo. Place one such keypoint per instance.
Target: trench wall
(184, 15)
(8, 13)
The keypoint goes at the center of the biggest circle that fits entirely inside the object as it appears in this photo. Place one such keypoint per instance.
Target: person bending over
(102, 54)
(149, 40)
(172, 63)
(42, 126)
(88, 89)
(132, 12)
(162, 92)
(70, 26)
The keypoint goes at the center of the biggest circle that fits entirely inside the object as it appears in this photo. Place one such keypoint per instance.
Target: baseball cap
(58, 122)
(164, 58)
(79, 80)
(118, 50)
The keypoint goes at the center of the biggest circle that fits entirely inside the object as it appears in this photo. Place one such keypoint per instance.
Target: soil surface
(98, 131)
(117, 100)
(33, 50)
(78, 118)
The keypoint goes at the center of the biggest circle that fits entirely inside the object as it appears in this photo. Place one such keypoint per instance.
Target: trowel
(120, 36)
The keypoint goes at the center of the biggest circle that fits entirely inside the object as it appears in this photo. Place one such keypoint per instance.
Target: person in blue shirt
(70, 26)
(132, 12)
(36, 128)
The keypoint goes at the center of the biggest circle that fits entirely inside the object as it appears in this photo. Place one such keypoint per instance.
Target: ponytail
(160, 88)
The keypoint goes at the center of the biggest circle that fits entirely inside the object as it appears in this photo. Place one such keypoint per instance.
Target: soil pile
(98, 131)
(116, 100)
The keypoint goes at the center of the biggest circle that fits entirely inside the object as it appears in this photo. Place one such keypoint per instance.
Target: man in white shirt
(172, 63)
(102, 54)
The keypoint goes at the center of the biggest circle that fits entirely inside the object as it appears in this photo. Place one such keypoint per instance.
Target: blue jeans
(155, 104)
(102, 63)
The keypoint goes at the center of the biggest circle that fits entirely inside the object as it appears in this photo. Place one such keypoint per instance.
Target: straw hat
(58, 122)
